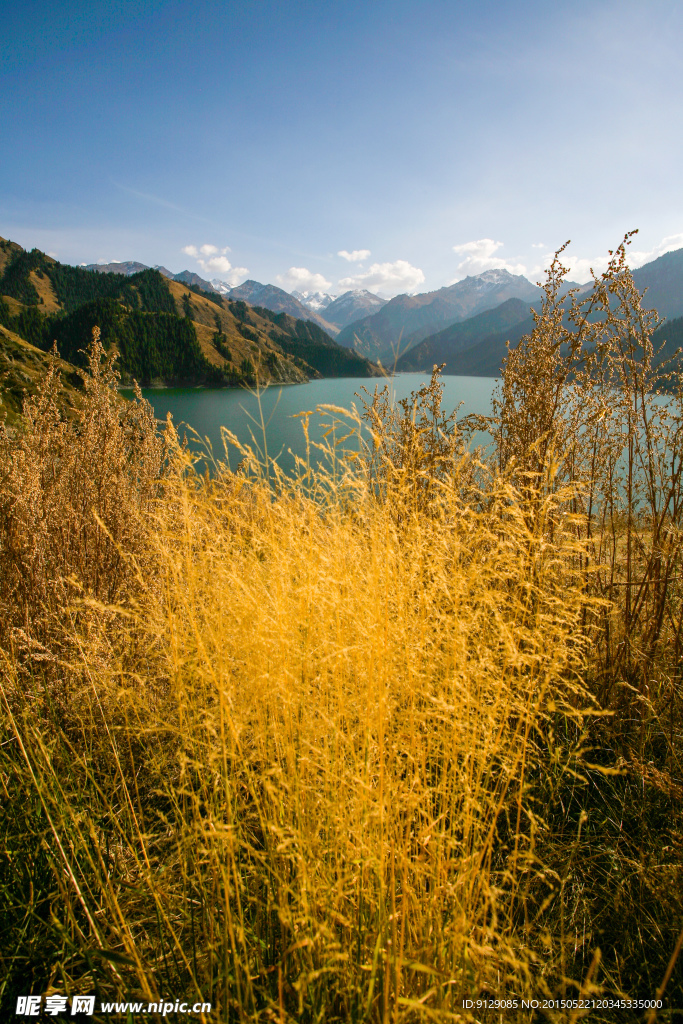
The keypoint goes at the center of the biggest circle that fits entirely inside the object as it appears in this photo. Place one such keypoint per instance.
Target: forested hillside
(305, 340)
(151, 346)
(163, 331)
(74, 286)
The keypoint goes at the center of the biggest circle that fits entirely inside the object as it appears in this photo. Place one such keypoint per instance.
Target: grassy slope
(22, 367)
(42, 284)
(15, 307)
(204, 313)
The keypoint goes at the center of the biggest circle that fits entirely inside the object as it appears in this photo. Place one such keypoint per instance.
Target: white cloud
(357, 256)
(538, 245)
(580, 267)
(479, 256)
(236, 276)
(215, 263)
(395, 278)
(636, 258)
(211, 250)
(301, 279)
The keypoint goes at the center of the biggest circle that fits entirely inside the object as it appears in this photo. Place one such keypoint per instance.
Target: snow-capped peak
(314, 300)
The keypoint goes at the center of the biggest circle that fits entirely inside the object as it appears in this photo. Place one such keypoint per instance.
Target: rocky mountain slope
(317, 301)
(663, 279)
(279, 301)
(353, 306)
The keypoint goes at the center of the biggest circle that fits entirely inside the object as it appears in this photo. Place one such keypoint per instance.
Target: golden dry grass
(318, 753)
(22, 369)
(46, 292)
(15, 307)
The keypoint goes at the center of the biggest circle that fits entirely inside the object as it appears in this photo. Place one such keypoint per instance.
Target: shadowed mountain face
(477, 346)
(485, 358)
(280, 301)
(447, 345)
(189, 278)
(663, 279)
(407, 319)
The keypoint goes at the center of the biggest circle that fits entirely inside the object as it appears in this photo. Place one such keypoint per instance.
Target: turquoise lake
(207, 410)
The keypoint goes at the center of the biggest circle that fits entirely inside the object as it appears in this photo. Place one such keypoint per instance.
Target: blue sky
(425, 139)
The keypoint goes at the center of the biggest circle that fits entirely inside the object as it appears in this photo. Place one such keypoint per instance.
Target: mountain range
(339, 310)
(360, 320)
(345, 309)
(353, 306)
(465, 325)
(663, 279)
(477, 346)
(270, 296)
(465, 336)
(256, 294)
(316, 301)
(406, 319)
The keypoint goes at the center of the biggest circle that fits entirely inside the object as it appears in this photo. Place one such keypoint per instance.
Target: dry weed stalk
(586, 396)
(74, 494)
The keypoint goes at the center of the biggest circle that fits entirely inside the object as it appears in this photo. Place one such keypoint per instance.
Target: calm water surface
(207, 410)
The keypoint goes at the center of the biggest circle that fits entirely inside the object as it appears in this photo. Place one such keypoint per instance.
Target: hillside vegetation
(163, 331)
(22, 368)
(364, 743)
